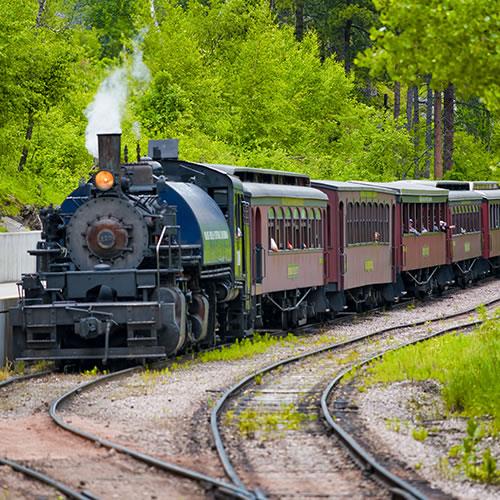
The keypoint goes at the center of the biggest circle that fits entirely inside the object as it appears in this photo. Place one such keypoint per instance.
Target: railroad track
(263, 392)
(361, 455)
(219, 487)
(30, 472)
(228, 489)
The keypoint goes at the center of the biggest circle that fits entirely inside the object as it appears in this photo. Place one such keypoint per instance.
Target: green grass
(251, 421)
(247, 348)
(420, 434)
(467, 366)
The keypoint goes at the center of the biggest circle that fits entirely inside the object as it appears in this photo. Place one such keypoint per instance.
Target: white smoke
(105, 112)
(139, 71)
(136, 129)
(152, 10)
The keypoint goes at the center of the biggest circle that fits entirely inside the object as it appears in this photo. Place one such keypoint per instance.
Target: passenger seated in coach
(274, 247)
(289, 246)
(423, 230)
(376, 236)
(412, 229)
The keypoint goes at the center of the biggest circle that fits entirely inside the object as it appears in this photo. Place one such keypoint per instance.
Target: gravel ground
(30, 437)
(389, 414)
(168, 415)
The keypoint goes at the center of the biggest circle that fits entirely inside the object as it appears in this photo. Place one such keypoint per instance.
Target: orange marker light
(104, 180)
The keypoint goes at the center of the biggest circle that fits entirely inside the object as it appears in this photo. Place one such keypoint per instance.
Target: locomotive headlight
(104, 180)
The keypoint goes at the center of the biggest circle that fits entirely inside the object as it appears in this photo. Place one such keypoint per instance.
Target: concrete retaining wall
(14, 261)
(14, 258)
(5, 330)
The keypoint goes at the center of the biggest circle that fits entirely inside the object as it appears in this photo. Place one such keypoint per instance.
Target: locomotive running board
(93, 353)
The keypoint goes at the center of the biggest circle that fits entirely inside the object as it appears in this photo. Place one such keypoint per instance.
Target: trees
(451, 44)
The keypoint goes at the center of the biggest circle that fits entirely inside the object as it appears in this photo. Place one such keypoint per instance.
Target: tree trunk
(347, 45)
(271, 5)
(438, 137)
(416, 138)
(29, 133)
(428, 132)
(41, 10)
(409, 106)
(299, 19)
(397, 100)
(449, 126)
(31, 118)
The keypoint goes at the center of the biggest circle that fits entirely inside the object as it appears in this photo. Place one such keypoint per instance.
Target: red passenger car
(288, 242)
(360, 246)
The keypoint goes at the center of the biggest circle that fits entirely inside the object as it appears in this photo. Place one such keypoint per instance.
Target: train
(152, 257)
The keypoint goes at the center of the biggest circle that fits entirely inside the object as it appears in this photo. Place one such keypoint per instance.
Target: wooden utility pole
(416, 123)
(449, 126)
(438, 137)
(409, 107)
(428, 131)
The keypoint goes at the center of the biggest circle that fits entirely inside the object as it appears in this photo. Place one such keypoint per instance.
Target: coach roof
(352, 186)
(278, 191)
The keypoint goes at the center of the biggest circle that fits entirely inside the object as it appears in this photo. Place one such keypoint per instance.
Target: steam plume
(105, 112)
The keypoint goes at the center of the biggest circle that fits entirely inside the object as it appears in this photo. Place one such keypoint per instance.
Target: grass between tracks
(247, 348)
(468, 368)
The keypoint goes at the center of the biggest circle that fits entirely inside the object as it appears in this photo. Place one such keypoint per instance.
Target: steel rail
(234, 491)
(235, 389)
(400, 487)
(43, 478)
(30, 472)
(21, 378)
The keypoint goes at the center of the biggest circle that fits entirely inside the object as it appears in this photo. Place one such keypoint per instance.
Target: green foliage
(466, 365)
(424, 37)
(253, 95)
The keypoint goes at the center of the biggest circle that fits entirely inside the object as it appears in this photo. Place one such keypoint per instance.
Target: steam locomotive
(150, 257)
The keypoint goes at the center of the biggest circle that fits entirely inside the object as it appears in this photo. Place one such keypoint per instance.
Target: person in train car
(412, 229)
(274, 247)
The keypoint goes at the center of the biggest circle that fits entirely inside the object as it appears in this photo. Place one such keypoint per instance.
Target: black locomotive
(136, 263)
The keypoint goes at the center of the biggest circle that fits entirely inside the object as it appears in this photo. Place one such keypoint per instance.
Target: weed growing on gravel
(246, 348)
(94, 372)
(12, 369)
(467, 366)
(419, 434)
(477, 466)
(153, 376)
(251, 421)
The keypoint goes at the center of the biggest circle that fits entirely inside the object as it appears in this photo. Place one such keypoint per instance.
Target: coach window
(297, 243)
(303, 228)
(310, 223)
(317, 228)
(349, 217)
(288, 243)
(271, 227)
(387, 228)
(279, 228)
(494, 215)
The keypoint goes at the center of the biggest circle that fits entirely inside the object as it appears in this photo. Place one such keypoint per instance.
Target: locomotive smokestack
(109, 152)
